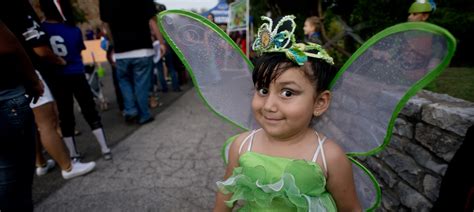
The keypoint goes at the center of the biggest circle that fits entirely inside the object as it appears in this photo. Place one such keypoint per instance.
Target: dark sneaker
(130, 118)
(107, 155)
(147, 121)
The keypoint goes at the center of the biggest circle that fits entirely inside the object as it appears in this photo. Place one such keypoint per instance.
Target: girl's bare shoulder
(239, 139)
(333, 152)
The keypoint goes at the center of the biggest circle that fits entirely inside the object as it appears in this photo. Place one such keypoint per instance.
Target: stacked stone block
(426, 135)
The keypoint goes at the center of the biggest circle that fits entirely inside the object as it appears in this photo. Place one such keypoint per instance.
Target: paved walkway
(171, 164)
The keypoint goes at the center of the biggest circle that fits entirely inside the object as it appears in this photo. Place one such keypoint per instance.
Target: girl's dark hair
(51, 12)
(270, 66)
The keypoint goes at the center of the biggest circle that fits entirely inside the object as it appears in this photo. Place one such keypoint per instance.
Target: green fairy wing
(222, 75)
(376, 82)
(217, 66)
(374, 85)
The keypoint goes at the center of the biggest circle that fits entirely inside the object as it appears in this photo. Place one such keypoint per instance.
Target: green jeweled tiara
(269, 40)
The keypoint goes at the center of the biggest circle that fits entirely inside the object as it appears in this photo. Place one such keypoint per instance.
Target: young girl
(312, 27)
(287, 165)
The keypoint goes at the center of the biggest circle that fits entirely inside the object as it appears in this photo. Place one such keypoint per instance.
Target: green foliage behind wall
(457, 16)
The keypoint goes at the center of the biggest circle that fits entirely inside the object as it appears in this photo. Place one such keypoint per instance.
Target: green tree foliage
(78, 14)
(457, 16)
(460, 22)
(377, 14)
(279, 8)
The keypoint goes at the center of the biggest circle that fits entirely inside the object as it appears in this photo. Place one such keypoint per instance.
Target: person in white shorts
(23, 22)
(47, 121)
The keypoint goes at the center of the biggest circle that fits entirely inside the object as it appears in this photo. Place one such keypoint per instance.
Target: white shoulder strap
(249, 137)
(320, 149)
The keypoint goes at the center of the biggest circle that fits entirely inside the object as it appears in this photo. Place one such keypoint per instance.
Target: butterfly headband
(270, 40)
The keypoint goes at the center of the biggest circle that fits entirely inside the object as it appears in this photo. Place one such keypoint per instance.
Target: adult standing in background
(22, 21)
(420, 10)
(129, 22)
(66, 41)
(17, 127)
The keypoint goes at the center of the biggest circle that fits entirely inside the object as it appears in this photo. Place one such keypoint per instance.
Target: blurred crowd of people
(42, 64)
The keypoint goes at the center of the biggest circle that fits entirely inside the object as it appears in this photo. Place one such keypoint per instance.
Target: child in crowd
(166, 60)
(312, 28)
(287, 165)
(66, 41)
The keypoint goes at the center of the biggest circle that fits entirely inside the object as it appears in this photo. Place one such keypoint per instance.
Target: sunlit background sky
(197, 5)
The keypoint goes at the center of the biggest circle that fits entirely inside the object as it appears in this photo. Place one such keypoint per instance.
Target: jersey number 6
(57, 43)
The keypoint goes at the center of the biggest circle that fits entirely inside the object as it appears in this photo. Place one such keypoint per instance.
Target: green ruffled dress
(267, 183)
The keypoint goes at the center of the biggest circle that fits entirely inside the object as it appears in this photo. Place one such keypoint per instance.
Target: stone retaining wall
(427, 133)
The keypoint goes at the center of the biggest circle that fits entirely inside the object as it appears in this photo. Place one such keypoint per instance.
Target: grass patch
(457, 82)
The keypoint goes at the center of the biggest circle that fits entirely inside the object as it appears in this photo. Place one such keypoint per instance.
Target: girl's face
(287, 106)
(308, 28)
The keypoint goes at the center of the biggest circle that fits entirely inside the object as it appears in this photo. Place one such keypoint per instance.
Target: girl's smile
(271, 120)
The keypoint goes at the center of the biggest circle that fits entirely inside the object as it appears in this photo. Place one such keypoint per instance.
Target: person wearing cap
(420, 10)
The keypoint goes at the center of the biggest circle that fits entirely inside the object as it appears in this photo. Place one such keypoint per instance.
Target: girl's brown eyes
(263, 91)
(287, 93)
(284, 93)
